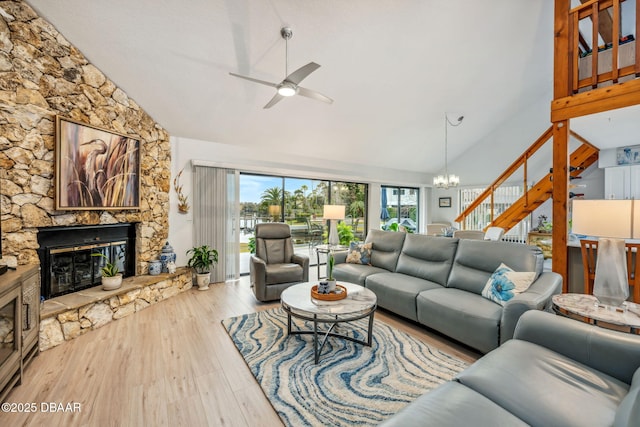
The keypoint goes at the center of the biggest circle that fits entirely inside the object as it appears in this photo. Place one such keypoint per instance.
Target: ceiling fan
(289, 86)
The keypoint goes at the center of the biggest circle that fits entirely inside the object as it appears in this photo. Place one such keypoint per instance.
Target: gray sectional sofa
(554, 372)
(438, 281)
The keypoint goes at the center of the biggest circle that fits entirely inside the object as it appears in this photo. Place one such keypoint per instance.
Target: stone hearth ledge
(69, 316)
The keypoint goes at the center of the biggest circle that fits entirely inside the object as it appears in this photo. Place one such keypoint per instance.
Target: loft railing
(491, 189)
(596, 64)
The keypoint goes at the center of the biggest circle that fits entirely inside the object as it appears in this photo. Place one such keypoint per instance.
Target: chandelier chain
(445, 181)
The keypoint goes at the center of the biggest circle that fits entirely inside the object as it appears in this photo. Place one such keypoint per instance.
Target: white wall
(184, 150)
(477, 167)
(492, 154)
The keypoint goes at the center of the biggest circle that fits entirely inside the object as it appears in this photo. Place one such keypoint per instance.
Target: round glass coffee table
(360, 303)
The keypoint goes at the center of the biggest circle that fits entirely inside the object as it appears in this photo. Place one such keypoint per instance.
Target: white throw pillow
(505, 283)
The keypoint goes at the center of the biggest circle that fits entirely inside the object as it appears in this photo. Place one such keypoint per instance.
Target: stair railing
(490, 191)
(582, 157)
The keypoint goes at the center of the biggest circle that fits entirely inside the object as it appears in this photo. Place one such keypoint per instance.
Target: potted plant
(330, 279)
(202, 261)
(111, 276)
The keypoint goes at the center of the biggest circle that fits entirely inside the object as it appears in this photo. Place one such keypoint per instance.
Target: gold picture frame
(96, 169)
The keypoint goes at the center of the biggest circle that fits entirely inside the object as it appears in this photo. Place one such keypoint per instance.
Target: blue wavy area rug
(352, 385)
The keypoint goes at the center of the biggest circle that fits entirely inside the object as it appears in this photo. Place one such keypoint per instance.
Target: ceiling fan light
(287, 90)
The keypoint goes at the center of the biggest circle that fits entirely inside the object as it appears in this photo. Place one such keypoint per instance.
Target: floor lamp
(612, 221)
(333, 213)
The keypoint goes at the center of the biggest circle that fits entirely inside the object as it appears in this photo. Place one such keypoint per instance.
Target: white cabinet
(622, 182)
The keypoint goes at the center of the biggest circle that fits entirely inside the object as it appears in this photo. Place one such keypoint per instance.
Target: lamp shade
(606, 218)
(274, 210)
(333, 212)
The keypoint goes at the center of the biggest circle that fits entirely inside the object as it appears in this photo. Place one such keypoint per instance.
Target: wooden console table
(20, 323)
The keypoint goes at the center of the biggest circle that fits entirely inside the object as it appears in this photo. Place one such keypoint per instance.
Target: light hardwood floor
(172, 364)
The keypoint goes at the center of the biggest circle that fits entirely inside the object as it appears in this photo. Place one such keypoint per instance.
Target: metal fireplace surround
(66, 255)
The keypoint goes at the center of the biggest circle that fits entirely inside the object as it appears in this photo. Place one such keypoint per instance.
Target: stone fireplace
(43, 76)
(66, 255)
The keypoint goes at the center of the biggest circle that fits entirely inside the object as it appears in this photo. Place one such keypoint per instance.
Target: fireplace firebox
(66, 255)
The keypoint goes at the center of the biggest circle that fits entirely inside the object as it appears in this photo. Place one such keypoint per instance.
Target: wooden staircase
(583, 157)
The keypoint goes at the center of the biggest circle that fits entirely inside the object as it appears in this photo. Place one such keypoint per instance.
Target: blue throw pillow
(359, 253)
(505, 283)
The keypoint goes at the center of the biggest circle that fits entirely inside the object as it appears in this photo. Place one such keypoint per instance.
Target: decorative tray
(338, 294)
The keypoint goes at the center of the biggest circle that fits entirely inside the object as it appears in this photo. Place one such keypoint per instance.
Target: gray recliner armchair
(275, 266)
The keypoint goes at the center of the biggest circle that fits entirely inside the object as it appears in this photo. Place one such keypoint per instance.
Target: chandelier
(447, 180)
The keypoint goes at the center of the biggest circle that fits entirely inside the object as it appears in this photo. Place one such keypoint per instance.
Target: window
(299, 202)
(399, 207)
(503, 198)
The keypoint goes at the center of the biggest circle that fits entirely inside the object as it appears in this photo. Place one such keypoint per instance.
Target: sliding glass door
(298, 202)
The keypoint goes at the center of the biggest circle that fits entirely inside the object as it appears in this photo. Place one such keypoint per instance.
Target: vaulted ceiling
(393, 68)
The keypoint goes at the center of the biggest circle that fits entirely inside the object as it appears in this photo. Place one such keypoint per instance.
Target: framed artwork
(444, 202)
(96, 169)
(628, 155)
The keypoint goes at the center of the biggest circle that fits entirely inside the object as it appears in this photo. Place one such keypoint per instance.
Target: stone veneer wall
(42, 75)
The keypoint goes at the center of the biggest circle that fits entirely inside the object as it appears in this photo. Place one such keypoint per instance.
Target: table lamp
(333, 213)
(274, 211)
(612, 221)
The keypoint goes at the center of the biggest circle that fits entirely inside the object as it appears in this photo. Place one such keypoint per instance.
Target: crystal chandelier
(447, 180)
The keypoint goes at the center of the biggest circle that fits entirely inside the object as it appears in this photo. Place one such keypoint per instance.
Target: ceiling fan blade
(301, 73)
(314, 95)
(251, 79)
(276, 98)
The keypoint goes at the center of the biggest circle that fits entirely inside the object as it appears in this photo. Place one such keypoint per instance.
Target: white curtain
(215, 218)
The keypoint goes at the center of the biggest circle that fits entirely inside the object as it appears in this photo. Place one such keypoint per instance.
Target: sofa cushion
(397, 292)
(427, 257)
(386, 248)
(544, 388)
(476, 260)
(452, 405)
(283, 273)
(505, 283)
(355, 273)
(462, 315)
(359, 253)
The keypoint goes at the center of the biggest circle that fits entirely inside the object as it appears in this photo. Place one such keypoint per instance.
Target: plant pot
(332, 285)
(155, 267)
(111, 283)
(203, 280)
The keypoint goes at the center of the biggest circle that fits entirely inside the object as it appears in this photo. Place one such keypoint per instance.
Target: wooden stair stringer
(583, 157)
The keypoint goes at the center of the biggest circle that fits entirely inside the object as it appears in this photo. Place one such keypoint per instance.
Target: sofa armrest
(258, 276)
(537, 297)
(612, 352)
(303, 261)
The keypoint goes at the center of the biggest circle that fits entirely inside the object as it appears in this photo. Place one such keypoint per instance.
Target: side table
(587, 308)
(325, 249)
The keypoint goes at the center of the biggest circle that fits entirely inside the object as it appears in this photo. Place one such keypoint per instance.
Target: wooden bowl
(333, 296)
